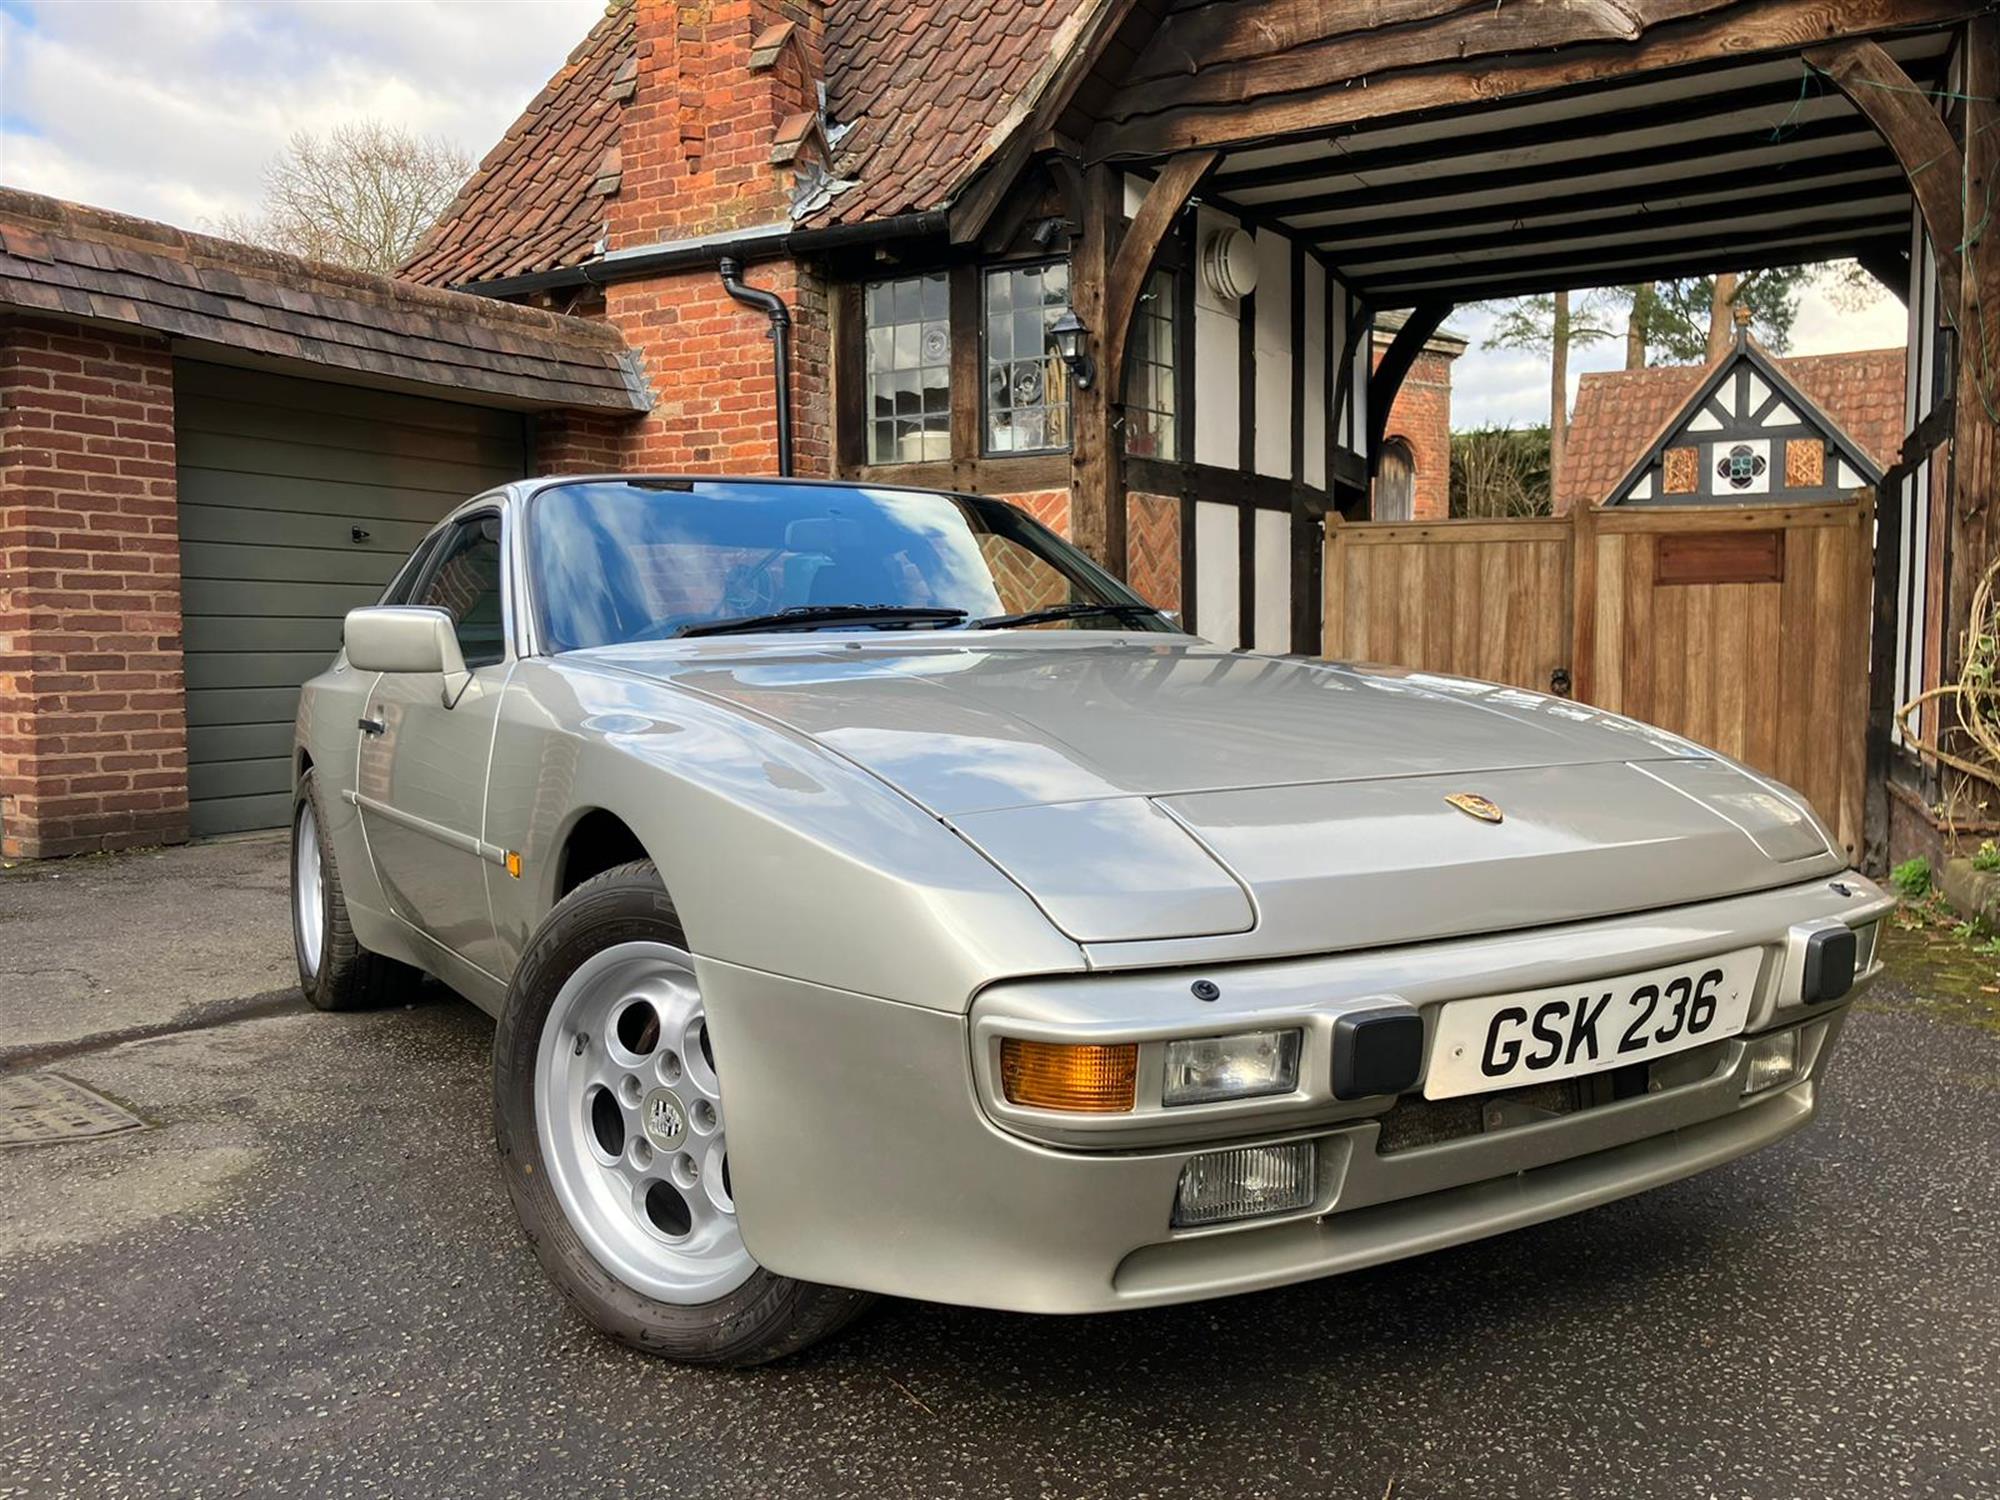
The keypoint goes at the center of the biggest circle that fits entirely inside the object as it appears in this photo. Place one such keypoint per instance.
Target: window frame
(865, 373)
(439, 544)
(1169, 267)
(983, 271)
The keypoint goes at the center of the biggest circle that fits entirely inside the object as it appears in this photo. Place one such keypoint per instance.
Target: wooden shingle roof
(1619, 413)
(926, 89)
(65, 260)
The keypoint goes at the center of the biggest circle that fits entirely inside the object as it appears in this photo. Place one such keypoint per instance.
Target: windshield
(639, 560)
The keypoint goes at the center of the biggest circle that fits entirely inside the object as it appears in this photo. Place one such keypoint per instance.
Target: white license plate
(1567, 1031)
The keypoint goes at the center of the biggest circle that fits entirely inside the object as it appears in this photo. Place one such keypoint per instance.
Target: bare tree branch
(362, 195)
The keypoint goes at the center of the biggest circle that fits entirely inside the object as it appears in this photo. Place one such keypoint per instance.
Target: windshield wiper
(815, 616)
(1056, 612)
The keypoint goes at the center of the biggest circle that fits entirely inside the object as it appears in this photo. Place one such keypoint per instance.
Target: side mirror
(407, 638)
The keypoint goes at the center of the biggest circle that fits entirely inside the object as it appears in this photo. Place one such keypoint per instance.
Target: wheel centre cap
(665, 1121)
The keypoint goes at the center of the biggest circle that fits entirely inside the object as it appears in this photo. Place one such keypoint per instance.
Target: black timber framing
(1246, 462)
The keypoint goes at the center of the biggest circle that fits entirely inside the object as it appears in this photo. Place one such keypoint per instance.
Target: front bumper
(865, 1153)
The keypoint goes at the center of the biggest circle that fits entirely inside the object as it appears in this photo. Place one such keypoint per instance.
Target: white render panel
(1704, 421)
(1273, 627)
(1336, 340)
(1643, 490)
(1274, 354)
(1216, 570)
(1364, 366)
(1135, 193)
(1780, 415)
(1218, 417)
(1314, 354)
(1759, 393)
(1849, 480)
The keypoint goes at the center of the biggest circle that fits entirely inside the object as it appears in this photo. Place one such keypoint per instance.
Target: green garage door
(298, 500)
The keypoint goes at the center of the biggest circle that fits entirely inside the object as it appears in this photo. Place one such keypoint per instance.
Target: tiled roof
(926, 84)
(1619, 413)
(537, 200)
(925, 87)
(65, 260)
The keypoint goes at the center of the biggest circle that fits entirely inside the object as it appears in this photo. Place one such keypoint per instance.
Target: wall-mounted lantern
(1069, 335)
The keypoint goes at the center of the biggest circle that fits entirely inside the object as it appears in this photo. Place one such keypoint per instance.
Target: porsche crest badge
(1475, 806)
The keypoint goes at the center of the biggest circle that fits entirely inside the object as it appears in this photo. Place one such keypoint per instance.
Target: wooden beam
(1424, 320)
(1608, 231)
(1097, 500)
(1723, 187)
(1592, 130)
(1891, 267)
(1535, 176)
(1907, 119)
(1165, 198)
(1623, 273)
(1477, 54)
(1047, 94)
(1974, 515)
(1394, 289)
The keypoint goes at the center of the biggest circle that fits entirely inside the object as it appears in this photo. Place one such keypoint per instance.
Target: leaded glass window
(1027, 384)
(1150, 405)
(909, 370)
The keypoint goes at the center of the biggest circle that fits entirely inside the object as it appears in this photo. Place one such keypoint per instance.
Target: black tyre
(335, 971)
(609, 1120)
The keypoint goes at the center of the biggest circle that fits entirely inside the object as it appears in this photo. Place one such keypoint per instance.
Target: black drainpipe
(773, 308)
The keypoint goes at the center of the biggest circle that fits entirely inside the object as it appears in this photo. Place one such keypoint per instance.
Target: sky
(169, 109)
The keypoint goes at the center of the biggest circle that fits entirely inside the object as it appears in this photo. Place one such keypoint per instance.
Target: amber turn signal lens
(1088, 1080)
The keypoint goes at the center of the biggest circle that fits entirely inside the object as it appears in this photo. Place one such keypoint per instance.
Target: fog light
(1092, 1080)
(1203, 1069)
(1772, 1060)
(1218, 1186)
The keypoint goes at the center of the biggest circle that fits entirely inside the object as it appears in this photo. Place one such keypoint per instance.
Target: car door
(421, 773)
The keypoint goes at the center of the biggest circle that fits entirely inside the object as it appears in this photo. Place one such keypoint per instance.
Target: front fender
(780, 855)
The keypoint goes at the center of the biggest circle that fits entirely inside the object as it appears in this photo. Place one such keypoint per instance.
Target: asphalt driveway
(303, 1279)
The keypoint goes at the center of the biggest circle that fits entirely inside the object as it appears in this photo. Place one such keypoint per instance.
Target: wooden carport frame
(1266, 70)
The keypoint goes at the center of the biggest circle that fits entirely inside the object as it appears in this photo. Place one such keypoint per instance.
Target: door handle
(372, 726)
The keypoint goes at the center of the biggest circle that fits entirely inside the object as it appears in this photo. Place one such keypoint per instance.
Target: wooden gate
(1743, 628)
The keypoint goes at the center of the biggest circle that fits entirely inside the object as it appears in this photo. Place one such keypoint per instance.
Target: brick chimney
(724, 113)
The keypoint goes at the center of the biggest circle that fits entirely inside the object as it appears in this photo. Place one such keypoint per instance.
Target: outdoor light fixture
(1069, 333)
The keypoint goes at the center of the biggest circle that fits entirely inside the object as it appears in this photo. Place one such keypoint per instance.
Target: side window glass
(465, 584)
(398, 591)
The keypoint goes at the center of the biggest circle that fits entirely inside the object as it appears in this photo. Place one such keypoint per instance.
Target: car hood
(1142, 790)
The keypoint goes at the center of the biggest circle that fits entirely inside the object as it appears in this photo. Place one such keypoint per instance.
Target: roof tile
(1619, 413)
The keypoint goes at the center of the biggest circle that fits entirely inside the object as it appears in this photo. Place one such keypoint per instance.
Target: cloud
(170, 111)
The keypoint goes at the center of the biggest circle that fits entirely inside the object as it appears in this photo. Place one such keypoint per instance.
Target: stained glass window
(1150, 405)
(1740, 466)
(1027, 384)
(909, 370)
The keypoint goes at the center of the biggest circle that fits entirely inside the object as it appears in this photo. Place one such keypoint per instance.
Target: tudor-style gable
(1748, 434)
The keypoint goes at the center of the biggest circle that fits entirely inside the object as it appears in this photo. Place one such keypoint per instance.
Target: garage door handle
(372, 726)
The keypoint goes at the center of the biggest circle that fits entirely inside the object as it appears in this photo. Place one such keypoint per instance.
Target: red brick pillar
(93, 720)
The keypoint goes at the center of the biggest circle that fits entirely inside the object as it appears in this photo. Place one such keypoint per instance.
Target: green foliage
(1986, 858)
(1912, 878)
(1674, 315)
(1500, 471)
(1530, 323)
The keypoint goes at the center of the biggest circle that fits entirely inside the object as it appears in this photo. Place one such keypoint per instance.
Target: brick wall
(698, 140)
(1153, 549)
(572, 442)
(93, 727)
(1421, 417)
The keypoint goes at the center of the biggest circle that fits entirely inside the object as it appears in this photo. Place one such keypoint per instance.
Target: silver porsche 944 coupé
(876, 896)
